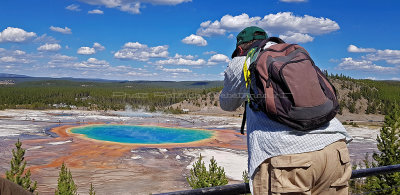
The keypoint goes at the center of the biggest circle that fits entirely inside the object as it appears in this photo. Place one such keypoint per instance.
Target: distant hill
(5, 75)
(23, 78)
(36, 81)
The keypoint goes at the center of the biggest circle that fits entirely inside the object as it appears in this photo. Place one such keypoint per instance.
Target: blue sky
(191, 39)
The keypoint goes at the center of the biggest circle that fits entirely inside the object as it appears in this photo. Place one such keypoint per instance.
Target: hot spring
(134, 134)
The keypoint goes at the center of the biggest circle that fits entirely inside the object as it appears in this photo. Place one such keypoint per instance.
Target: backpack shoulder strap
(275, 39)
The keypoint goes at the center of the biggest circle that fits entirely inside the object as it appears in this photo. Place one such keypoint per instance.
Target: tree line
(93, 96)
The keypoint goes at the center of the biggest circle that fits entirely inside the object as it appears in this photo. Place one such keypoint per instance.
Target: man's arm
(234, 92)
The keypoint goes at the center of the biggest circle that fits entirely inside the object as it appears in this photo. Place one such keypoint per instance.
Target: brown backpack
(284, 83)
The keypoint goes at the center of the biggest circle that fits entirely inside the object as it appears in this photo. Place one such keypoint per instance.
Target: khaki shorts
(325, 171)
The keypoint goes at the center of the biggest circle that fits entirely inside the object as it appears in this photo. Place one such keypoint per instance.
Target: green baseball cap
(249, 34)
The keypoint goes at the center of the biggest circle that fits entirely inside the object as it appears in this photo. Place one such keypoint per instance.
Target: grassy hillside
(366, 96)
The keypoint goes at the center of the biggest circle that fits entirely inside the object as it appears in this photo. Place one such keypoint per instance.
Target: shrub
(200, 177)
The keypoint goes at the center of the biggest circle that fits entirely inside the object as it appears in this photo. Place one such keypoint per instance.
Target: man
(283, 160)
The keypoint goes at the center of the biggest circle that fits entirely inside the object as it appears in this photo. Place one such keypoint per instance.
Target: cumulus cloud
(96, 11)
(19, 52)
(368, 62)
(365, 65)
(134, 45)
(390, 56)
(11, 34)
(182, 61)
(174, 70)
(73, 7)
(8, 59)
(141, 52)
(190, 60)
(194, 40)
(86, 51)
(296, 38)
(14, 57)
(189, 57)
(131, 6)
(299, 28)
(64, 30)
(355, 49)
(49, 47)
(91, 50)
(13, 60)
(141, 74)
(98, 47)
(218, 58)
(92, 63)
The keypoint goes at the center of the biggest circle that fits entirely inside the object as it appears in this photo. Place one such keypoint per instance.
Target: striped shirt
(267, 138)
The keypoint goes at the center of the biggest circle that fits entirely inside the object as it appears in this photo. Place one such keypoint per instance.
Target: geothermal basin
(140, 134)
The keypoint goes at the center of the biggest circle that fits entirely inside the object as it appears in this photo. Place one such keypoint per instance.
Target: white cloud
(174, 70)
(355, 49)
(395, 78)
(15, 57)
(73, 7)
(141, 74)
(190, 60)
(98, 47)
(18, 35)
(91, 50)
(296, 38)
(365, 65)
(182, 61)
(141, 52)
(19, 52)
(64, 30)
(390, 56)
(284, 23)
(92, 63)
(194, 40)
(371, 78)
(86, 51)
(134, 45)
(188, 57)
(210, 29)
(8, 59)
(13, 60)
(131, 6)
(218, 58)
(293, 1)
(231, 36)
(49, 47)
(96, 11)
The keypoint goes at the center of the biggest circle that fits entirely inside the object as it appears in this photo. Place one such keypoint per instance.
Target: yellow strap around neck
(246, 71)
